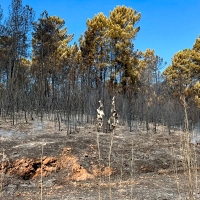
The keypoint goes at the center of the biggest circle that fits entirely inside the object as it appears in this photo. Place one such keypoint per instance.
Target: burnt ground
(37, 158)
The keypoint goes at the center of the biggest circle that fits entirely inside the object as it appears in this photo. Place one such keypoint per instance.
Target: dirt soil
(36, 158)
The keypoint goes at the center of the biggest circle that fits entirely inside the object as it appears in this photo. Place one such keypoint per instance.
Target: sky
(167, 26)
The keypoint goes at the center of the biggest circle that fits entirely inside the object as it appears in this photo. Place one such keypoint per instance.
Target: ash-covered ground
(40, 162)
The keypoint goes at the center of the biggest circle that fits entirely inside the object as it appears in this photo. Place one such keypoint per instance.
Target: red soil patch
(27, 168)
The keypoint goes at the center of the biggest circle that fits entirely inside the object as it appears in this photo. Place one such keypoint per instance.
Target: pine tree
(94, 48)
(183, 75)
(121, 33)
(14, 40)
(50, 47)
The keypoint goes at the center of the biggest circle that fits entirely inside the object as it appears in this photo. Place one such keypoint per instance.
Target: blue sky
(167, 26)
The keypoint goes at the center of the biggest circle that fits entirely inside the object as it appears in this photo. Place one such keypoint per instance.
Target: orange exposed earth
(76, 165)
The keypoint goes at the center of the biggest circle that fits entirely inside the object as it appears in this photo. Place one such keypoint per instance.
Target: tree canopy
(41, 70)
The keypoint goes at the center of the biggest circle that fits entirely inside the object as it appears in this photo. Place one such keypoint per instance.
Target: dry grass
(189, 162)
(77, 174)
(2, 174)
